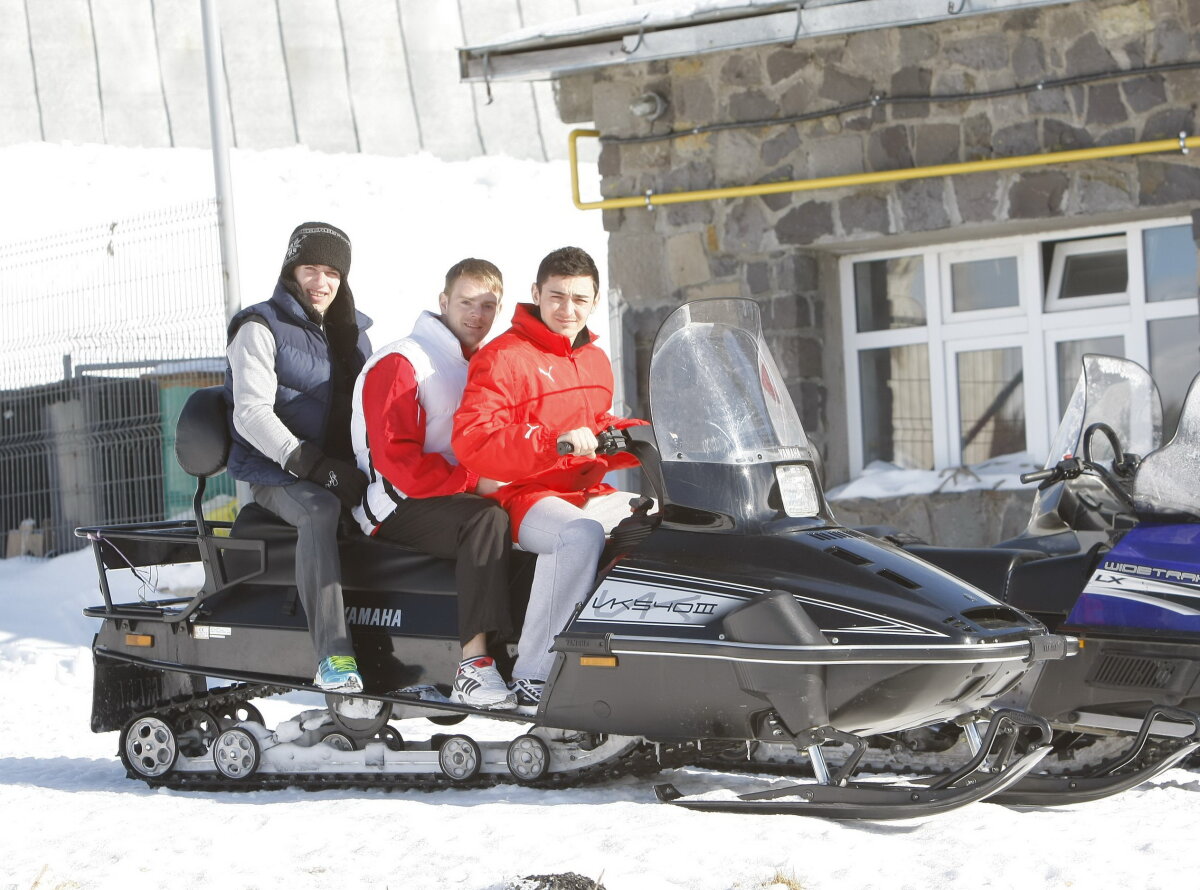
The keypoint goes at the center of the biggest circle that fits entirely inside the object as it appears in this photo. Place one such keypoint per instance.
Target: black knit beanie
(317, 244)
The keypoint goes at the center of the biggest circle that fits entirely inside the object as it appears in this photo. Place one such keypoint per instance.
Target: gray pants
(314, 512)
(568, 541)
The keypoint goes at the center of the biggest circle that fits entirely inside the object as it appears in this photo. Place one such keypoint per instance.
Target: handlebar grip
(1038, 475)
(608, 441)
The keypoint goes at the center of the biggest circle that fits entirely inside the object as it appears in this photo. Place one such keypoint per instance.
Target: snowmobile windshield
(1117, 392)
(1166, 481)
(1114, 391)
(716, 395)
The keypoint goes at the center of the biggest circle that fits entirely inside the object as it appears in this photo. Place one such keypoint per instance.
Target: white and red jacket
(404, 403)
(525, 389)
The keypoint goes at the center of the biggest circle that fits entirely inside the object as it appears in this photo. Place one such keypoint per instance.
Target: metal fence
(107, 330)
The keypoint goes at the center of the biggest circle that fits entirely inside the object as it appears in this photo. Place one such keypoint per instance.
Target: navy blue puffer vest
(303, 366)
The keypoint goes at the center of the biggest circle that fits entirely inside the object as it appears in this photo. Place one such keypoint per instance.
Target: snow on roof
(615, 22)
(677, 28)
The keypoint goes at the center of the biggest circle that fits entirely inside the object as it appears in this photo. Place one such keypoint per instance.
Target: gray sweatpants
(568, 541)
(314, 512)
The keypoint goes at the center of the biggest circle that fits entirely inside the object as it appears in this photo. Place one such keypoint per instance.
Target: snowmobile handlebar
(1124, 466)
(1067, 468)
(1124, 463)
(1039, 475)
(609, 441)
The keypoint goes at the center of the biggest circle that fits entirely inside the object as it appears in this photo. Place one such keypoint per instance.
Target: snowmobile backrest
(202, 435)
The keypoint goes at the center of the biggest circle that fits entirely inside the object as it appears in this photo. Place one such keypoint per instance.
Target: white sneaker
(480, 685)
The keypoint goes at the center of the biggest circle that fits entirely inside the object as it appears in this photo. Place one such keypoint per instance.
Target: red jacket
(525, 389)
(395, 425)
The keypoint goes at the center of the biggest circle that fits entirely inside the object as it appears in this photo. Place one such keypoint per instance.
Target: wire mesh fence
(108, 330)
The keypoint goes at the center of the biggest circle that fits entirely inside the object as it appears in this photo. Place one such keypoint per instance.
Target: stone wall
(866, 104)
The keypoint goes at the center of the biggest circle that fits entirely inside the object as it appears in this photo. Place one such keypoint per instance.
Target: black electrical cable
(878, 99)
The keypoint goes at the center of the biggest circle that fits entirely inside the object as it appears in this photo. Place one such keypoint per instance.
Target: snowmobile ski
(989, 772)
(1113, 777)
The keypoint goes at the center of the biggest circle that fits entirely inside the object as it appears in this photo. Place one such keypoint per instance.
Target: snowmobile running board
(990, 771)
(1106, 780)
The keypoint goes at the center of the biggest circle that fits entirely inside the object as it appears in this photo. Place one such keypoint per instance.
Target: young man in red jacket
(542, 382)
(419, 495)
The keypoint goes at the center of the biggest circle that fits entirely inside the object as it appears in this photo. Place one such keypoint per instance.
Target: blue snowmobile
(1111, 555)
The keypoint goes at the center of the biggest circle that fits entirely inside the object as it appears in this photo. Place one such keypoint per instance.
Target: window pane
(991, 403)
(1173, 363)
(1069, 361)
(1170, 264)
(896, 415)
(1094, 274)
(890, 294)
(984, 284)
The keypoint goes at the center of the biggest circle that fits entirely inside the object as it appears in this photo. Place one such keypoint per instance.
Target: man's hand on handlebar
(610, 441)
(581, 441)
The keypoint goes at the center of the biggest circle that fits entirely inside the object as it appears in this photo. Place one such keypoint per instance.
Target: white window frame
(955, 348)
(948, 259)
(1064, 251)
(1037, 329)
(1057, 335)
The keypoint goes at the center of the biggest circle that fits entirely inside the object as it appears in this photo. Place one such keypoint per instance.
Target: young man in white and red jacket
(418, 494)
(542, 382)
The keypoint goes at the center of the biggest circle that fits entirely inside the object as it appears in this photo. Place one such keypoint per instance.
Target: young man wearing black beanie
(292, 363)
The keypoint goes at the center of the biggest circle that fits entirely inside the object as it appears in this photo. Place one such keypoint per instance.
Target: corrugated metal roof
(677, 28)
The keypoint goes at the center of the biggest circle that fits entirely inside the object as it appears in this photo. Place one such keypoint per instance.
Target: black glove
(345, 480)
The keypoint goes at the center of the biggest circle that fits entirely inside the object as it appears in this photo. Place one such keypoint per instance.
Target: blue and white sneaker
(529, 694)
(480, 685)
(339, 673)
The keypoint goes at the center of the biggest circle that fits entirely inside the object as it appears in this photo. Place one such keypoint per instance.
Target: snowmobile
(1111, 555)
(730, 610)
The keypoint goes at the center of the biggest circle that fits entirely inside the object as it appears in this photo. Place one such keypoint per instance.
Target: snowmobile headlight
(798, 490)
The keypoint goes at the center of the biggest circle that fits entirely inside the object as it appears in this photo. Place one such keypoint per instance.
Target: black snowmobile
(737, 613)
(1111, 555)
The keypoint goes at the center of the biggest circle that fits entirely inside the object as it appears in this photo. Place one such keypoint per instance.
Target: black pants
(476, 533)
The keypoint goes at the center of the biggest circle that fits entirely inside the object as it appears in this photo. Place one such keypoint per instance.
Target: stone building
(938, 206)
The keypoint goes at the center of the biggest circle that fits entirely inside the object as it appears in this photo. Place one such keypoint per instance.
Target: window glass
(1069, 361)
(984, 284)
(1170, 264)
(991, 403)
(1173, 363)
(1094, 274)
(896, 415)
(890, 294)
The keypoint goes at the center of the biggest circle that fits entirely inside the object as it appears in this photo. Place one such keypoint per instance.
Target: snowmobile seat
(202, 439)
(202, 446)
(991, 569)
(367, 563)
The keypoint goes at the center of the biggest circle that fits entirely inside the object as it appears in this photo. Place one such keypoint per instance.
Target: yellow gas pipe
(650, 199)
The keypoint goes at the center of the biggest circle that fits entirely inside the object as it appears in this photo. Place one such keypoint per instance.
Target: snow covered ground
(72, 819)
